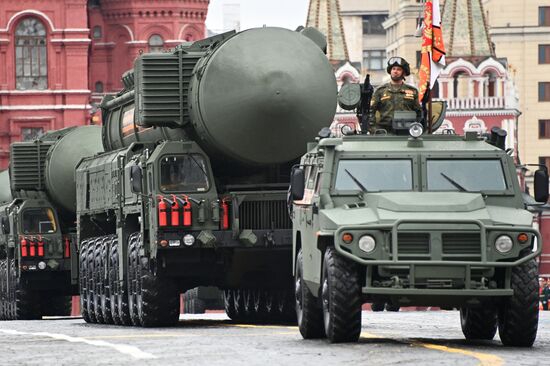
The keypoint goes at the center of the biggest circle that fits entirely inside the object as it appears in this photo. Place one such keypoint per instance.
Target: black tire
(479, 323)
(238, 303)
(248, 306)
(341, 295)
(229, 304)
(97, 279)
(377, 306)
(105, 295)
(9, 305)
(121, 288)
(133, 279)
(56, 305)
(259, 298)
(90, 280)
(112, 280)
(27, 303)
(83, 274)
(392, 307)
(157, 298)
(287, 307)
(4, 290)
(308, 311)
(518, 316)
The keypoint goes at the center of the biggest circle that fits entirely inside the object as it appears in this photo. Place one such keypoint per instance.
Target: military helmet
(401, 62)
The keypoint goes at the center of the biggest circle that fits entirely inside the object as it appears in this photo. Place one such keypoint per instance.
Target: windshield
(183, 173)
(465, 175)
(39, 221)
(374, 175)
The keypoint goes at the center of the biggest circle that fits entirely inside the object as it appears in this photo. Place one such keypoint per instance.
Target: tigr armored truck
(38, 255)
(192, 189)
(436, 220)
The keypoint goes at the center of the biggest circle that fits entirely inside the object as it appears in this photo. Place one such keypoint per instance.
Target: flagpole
(429, 91)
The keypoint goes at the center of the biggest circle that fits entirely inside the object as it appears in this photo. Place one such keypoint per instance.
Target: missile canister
(5, 192)
(253, 98)
(47, 165)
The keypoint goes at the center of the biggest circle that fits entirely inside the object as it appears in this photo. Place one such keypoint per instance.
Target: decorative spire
(465, 30)
(325, 16)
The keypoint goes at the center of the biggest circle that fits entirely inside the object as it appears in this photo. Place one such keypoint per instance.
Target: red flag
(433, 49)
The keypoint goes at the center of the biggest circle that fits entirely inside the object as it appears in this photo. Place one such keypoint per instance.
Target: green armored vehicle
(435, 220)
(38, 258)
(192, 188)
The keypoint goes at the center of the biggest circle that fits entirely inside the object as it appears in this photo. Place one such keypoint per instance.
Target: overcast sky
(256, 13)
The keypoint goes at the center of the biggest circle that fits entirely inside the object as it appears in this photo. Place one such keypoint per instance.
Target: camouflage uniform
(389, 98)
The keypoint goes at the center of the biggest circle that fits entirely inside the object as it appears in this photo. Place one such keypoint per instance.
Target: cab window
(183, 173)
(39, 221)
(374, 175)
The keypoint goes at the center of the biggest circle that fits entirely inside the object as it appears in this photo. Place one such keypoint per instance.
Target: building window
(544, 16)
(544, 53)
(374, 59)
(31, 62)
(418, 59)
(96, 32)
(544, 92)
(31, 133)
(98, 87)
(544, 128)
(156, 43)
(372, 24)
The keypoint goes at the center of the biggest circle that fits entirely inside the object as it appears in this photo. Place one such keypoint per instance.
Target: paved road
(419, 338)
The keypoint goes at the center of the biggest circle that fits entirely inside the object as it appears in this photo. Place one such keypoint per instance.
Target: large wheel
(83, 275)
(157, 299)
(518, 317)
(308, 311)
(112, 278)
(27, 303)
(121, 288)
(341, 294)
(105, 294)
(97, 279)
(90, 290)
(229, 304)
(392, 307)
(260, 305)
(248, 302)
(10, 306)
(4, 289)
(133, 279)
(287, 306)
(479, 323)
(377, 306)
(238, 303)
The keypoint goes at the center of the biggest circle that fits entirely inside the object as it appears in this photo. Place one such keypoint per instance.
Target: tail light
(24, 247)
(225, 215)
(66, 247)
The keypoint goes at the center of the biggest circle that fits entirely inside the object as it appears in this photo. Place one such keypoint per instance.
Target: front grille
(413, 243)
(461, 243)
(260, 215)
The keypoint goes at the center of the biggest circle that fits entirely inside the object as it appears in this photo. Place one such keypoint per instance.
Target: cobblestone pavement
(404, 338)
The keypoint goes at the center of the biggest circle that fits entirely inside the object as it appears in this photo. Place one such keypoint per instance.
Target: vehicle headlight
(367, 243)
(504, 244)
(415, 130)
(42, 265)
(188, 240)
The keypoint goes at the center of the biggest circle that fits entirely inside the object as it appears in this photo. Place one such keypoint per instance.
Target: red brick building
(58, 57)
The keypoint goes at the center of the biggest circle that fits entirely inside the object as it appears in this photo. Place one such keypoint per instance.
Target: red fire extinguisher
(175, 216)
(186, 212)
(32, 249)
(24, 249)
(67, 248)
(225, 214)
(163, 215)
(40, 243)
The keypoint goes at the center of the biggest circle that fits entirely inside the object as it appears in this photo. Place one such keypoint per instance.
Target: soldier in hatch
(394, 96)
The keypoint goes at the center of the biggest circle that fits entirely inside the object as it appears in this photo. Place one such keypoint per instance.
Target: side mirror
(5, 225)
(136, 177)
(297, 184)
(541, 185)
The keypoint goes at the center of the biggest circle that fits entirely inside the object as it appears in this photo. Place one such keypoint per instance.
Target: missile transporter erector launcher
(192, 189)
(38, 255)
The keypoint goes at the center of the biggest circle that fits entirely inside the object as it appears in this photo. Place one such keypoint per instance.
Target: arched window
(31, 70)
(99, 87)
(491, 85)
(156, 43)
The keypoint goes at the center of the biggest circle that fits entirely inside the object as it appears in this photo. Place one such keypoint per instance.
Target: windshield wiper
(356, 181)
(454, 183)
